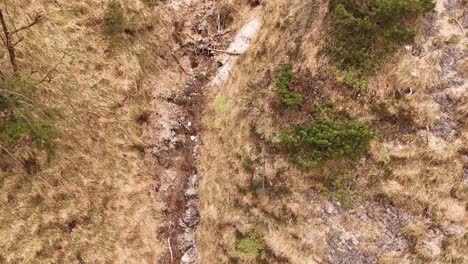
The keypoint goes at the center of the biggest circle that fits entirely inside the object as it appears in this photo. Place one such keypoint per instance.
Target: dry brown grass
(414, 170)
(96, 200)
(228, 143)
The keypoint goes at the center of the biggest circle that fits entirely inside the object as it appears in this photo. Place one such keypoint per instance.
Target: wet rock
(464, 21)
(191, 217)
(186, 241)
(191, 193)
(452, 4)
(432, 249)
(342, 251)
(450, 60)
(465, 175)
(329, 208)
(444, 101)
(445, 128)
(416, 50)
(189, 257)
(193, 181)
(203, 27)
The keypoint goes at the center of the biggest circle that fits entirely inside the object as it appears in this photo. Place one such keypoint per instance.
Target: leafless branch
(7, 37)
(18, 41)
(225, 51)
(170, 249)
(47, 76)
(36, 20)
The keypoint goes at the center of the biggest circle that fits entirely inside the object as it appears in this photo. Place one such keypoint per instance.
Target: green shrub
(251, 244)
(289, 98)
(367, 31)
(114, 18)
(352, 79)
(327, 139)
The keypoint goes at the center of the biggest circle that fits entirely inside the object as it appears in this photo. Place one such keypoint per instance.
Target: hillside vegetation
(334, 154)
(74, 184)
(148, 131)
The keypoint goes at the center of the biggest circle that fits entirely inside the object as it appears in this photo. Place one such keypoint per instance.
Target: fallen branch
(179, 64)
(227, 52)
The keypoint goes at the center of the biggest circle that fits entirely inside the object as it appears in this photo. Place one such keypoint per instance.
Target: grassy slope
(243, 189)
(95, 201)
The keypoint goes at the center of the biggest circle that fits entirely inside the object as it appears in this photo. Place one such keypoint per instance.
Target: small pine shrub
(114, 18)
(327, 139)
(367, 31)
(289, 98)
(251, 244)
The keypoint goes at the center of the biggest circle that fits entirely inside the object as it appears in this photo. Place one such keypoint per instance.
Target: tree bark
(8, 44)
(8, 41)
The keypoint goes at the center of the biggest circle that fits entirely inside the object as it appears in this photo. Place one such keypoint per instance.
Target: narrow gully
(178, 157)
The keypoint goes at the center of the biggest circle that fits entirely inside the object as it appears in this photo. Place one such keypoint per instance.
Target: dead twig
(179, 64)
(36, 20)
(17, 94)
(170, 249)
(225, 51)
(47, 76)
(459, 24)
(8, 152)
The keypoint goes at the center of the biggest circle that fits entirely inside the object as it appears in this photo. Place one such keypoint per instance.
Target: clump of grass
(326, 139)
(340, 191)
(367, 31)
(23, 119)
(115, 20)
(251, 244)
(291, 99)
(249, 165)
(152, 3)
(220, 104)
